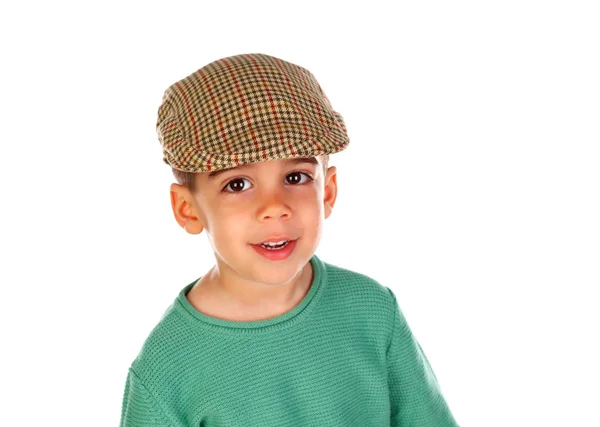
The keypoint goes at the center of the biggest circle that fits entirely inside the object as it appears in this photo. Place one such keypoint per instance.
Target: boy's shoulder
(358, 297)
(354, 283)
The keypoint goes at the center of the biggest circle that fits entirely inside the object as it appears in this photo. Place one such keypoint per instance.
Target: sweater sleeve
(415, 395)
(139, 409)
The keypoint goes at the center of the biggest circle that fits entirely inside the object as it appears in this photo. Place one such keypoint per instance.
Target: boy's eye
(299, 179)
(237, 184)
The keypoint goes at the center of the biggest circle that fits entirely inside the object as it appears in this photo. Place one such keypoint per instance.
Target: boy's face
(251, 204)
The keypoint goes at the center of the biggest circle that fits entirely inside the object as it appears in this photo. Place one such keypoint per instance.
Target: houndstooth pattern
(244, 109)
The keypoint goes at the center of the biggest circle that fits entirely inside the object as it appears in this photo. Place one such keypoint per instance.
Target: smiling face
(275, 200)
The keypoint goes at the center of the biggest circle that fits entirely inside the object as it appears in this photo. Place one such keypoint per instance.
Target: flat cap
(243, 109)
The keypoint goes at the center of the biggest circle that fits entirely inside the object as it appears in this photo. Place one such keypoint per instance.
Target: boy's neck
(212, 297)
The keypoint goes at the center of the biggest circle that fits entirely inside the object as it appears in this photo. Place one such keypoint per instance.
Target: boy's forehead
(292, 161)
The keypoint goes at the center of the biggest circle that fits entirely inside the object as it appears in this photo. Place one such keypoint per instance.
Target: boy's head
(248, 138)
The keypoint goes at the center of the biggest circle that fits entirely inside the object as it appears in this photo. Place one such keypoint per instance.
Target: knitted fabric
(344, 356)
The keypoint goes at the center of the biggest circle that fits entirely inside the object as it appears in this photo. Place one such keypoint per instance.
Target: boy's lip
(275, 239)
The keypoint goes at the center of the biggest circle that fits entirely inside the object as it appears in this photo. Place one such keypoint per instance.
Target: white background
(471, 187)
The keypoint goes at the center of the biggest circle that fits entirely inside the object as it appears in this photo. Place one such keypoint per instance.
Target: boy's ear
(330, 192)
(182, 202)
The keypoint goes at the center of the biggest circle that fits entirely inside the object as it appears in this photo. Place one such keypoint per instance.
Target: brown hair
(188, 179)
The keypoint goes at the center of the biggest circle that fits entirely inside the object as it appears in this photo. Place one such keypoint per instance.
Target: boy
(271, 335)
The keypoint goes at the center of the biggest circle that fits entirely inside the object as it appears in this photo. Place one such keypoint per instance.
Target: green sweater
(344, 356)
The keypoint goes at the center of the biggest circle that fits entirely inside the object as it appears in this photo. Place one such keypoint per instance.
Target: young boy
(271, 335)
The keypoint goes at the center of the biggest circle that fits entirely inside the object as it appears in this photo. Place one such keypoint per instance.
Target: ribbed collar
(284, 320)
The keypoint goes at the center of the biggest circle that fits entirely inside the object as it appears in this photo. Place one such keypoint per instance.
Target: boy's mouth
(275, 241)
(275, 250)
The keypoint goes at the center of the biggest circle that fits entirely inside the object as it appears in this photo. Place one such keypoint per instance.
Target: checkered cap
(244, 109)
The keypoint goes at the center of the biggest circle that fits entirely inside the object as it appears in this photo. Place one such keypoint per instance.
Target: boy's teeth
(270, 245)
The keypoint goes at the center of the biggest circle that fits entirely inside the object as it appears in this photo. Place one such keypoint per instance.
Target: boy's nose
(274, 206)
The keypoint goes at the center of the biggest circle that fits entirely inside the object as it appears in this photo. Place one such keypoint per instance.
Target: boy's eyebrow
(294, 161)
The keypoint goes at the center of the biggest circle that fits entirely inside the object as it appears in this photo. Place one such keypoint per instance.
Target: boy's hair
(188, 179)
